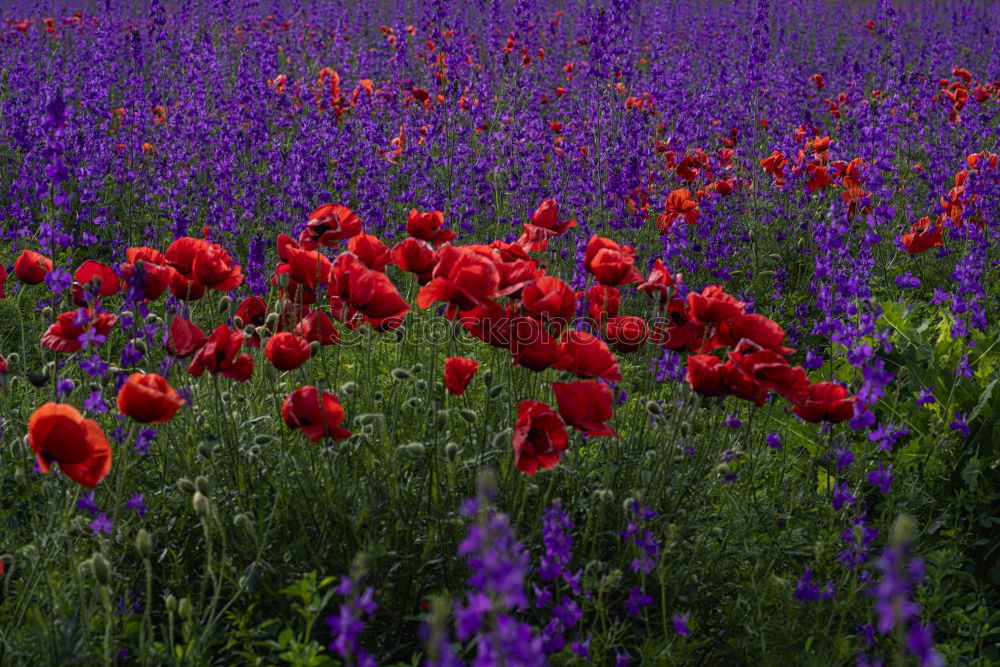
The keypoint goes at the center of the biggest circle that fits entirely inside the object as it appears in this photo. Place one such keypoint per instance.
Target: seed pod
(200, 503)
(102, 568)
(186, 485)
(144, 544)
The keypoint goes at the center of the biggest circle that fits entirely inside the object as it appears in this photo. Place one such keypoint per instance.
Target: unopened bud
(314, 347)
(249, 331)
(271, 319)
(415, 449)
(417, 369)
(144, 544)
(224, 304)
(170, 602)
(903, 530)
(283, 280)
(202, 484)
(488, 377)
(184, 608)
(186, 485)
(13, 358)
(468, 415)
(152, 318)
(200, 503)
(349, 388)
(243, 521)
(685, 429)
(140, 345)
(441, 419)
(237, 321)
(47, 312)
(451, 450)
(496, 391)
(102, 568)
(653, 408)
(420, 385)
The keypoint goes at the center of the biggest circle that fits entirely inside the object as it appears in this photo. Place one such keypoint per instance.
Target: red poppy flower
(611, 264)
(308, 267)
(185, 287)
(923, 236)
(819, 177)
(317, 415)
(329, 224)
(358, 293)
(102, 280)
(539, 437)
(661, 283)
(770, 370)
(221, 355)
(710, 376)
(181, 254)
(295, 291)
(774, 164)
(59, 433)
(627, 334)
(3, 281)
(602, 302)
(516, 275)
(544, 225)
(679, 205)
(64, 336)
(825, 401)
(373, 253)
(532, 346)
(586, 355)
(427, 227)
(252, 310)
(184, 337)
(417, 257)
(154, 275)
(31, 268)
(148, 398)
(214, 269)
(585, 406)
(464, 277)
(316, 326)
(550, 299)
(458, 371)
(762, 330)
(687, 335)
(713, 305)
(490, 324)
(287, 351)
(4, 366)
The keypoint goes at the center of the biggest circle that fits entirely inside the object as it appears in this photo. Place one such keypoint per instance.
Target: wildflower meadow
(499, 332)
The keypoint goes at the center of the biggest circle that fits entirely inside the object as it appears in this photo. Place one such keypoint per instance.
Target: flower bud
(685, 429)
(314, 348)
(184, 608)
(412, 403)
(415, 449)
(37, 379)
(262, 439)
(495, 391)
(237, 321)
(420, 385)
(13, 358)
(468, 415)
(903, 530)
(271, 320)
(243, 521)
(200, 503)
(379, 396)
(47, 312)
(249, 331)
(102, 568)
(185, 485)
(488, 377)
(202, 484)
(152, 318)
(170, 602)
(349, 388)
(283, 280)
(224, 304)
(144, 544)
(451, 450)
(441, 419)
(417, 369)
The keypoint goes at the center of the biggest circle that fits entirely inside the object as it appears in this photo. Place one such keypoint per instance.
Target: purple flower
(882, 477)
(87, 503)
(95, 403)
(64, 386)
(926, 397)
(348, 623)
(681, 624)
(136, 503)
(58, 280)
(774, 440)
(142, 440)
(908, 281)
(843, 458)
(842, 496)
(960, 423)
(101, 524)
(636, 601)
(806, 590)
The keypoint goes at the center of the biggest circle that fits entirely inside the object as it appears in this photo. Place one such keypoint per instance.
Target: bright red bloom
(531, 344)
(184, 337)
(184, 287)
(31, 268)
(491, 324)
(819, 177)
(770, 370)
(602, 302)
(661, 283)
(586, 355)
(427, 227)
(713, 305)
(759, 329)
(417, 257)
(549, 298)
(102, 278)
(3, 281)
(145, 254)
(180, 256)
(310, 268)
(148, 398)
(825, 401)
(539, 437)
(611, 264)
(358, 292)
(516, 275)
(585, 406)
(316, 326)
(373, 253)
(221, 355)
(252, 310)
(627, 334)
(329, 224)
(774, 164)
(64, 335)
(464, 277)
(710, 376)
(214, 269)
(317, 416)
(544, 225)
(59, 433)
(923, 236)
(679, 205)
(287, 351)
(458, 371)
(154, 275)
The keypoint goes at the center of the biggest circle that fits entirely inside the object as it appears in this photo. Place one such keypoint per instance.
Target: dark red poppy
(316, 326)
(99, 278)
(69, 328)
(329, 224)
(490, 324)
(373, 253)
(516, 275)
(465, 278)
(185, 287)
(825, 401)
(532, 346)
(287, 351)
(509, 252)
(145, 254)
(184, 337)
(214, 269)
(611, 264)
(550, 299)
(705, 375)
(181, 254)
(359, 294)
(294, 291)
(586, 355)
(148, 398)
(762, 330)
(59, 433)
(317, 415)
(221, 355)
(544, 225)
(458, 371)
(585, 406)
(602, 302)
(923, 236)
(539, 437)
(713, 305)
(252, 310)
(627, 334)
(31, 268)
(672, 336)
(770, 370)
(661, 284)
(415, 256)
(146, 271)
(3, 281)
(427, 227)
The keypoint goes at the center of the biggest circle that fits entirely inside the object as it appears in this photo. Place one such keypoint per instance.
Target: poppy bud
(47, 312)
(170, 602)
(140, 345)
(144, 544)
(85, 567)
(496, 391)
(717, 530)
(400, 374)
(262, 439)
(200, 503)
(204, 450)
(225, 304)
(249, 330)
(258, 331)
(184, 608)
(411, 403)
(271, 319)
(379, 396)
(604, 495)
(127, 314)
(102, 568)
(417, 369)
(37, 379)
(243, 521)
(283, 280)
(653, 408)
(415, 449)
(314, 347)
(903, 530)
(364, 419)
(13, 358)
(451, 450)
(420, 385)
(185, 485)
(500, 440)
(202, 484)
(488, 377)
(152, 318)
(237, 322)
(629, 502)
(685, 429)
(349, 388)
(468, 415)
(441, 419)
(723, 469)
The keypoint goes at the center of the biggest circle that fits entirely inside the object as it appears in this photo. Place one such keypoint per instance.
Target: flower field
(500, 332)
